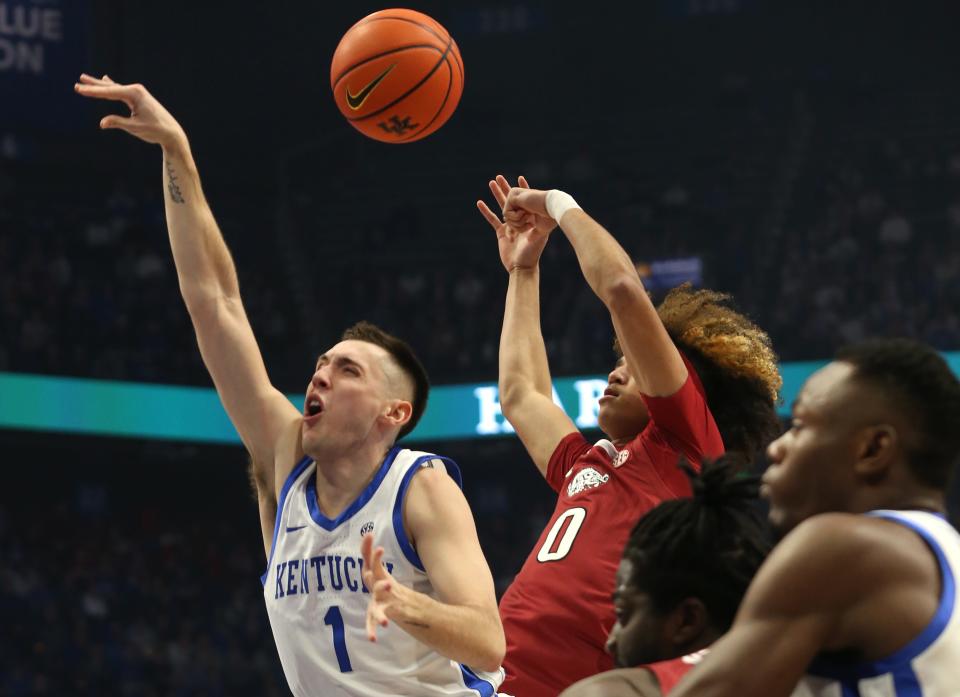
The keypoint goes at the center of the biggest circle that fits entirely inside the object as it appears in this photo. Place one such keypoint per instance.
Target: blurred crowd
(88, 288)
(866, 244)
(132, 604)
(871, 245)
(828, 219)
(108, 592)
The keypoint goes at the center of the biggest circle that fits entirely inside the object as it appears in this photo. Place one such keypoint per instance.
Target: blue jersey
(317, 602)
(929, 666)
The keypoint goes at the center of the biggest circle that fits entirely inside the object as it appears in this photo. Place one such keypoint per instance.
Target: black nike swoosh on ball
(355, 101)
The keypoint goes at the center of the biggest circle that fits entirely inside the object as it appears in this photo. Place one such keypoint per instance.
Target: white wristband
(558, 203)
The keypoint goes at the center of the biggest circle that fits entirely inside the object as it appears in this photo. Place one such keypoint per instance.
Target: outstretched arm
(207, 276)
(463, 624)
(651, 354)
(526, 391)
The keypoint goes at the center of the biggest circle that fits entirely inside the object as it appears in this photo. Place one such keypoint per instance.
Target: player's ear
(875, 450)
(398, 412)
(687, 621)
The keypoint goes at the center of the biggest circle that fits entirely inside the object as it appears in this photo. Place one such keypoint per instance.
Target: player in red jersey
(683, 574)
(691, 371)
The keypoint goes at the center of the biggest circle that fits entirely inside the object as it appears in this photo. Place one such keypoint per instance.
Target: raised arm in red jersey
(525, 387)
(651, 355)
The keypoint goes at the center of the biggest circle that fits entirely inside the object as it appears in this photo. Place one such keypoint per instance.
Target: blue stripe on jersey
(474, 682)
(329, 524)
(898, 664)
(291, 478)
(849, 690)
(906, 683)
(945, 609)
(408, 551)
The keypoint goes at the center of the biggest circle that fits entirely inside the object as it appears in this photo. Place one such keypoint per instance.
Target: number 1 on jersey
(547, 552)
(334, 619)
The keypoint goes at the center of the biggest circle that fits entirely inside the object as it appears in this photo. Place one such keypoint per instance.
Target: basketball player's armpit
(259, 475)
(255, 478)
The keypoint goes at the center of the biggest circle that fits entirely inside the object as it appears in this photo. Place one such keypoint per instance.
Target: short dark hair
(922, 387)
(708, 546)
(405, 358)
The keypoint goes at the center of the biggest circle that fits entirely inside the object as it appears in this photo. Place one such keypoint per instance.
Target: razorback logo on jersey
(617, 457)
(621, 458)
(587, 478)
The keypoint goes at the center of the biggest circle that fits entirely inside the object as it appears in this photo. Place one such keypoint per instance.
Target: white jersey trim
(452, 470)
(314, 508)
(328, 524)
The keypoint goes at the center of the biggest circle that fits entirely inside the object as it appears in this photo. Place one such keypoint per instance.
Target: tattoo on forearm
(175, 194)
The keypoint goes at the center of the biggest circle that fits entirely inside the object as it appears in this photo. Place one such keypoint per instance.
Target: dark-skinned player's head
(687, 565)
(879, 427)
(734, 360)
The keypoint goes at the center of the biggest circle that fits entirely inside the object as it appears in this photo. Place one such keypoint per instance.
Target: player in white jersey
(859, 599)
(413, 614)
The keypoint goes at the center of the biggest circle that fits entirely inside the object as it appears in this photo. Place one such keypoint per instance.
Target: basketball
(397, 76)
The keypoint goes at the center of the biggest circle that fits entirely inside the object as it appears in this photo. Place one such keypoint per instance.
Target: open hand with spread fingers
(149, 120)
(522, 237)
(386, 595)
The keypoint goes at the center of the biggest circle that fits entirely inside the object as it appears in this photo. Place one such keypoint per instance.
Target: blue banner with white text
(107, 408)
(43, 47)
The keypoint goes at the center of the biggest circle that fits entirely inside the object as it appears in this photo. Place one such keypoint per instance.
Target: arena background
(804, 156)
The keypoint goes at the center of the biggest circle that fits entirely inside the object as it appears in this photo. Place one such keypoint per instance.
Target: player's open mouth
(313, 407)
(609, 393)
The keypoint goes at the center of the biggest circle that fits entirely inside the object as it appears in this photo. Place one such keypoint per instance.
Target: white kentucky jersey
(928, 666)
(317, 602)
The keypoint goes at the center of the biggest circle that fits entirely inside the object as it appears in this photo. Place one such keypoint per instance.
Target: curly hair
(735, 361)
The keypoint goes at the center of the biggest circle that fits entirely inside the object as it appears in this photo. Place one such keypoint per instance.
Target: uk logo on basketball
(398, 126)
(587, 478)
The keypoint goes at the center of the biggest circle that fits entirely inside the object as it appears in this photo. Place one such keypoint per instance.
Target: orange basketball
(397, 76)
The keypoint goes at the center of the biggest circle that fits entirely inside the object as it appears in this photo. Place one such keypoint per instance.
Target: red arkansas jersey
(669, 673)
(558, 611)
